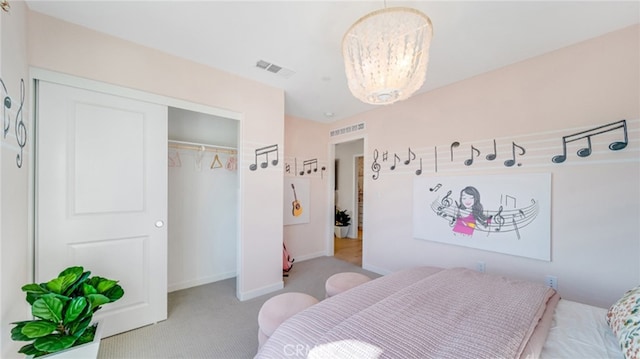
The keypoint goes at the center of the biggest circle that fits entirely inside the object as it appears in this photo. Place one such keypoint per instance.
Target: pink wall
(14, 181)
(595, 244)
(70, 49)
(307, 140)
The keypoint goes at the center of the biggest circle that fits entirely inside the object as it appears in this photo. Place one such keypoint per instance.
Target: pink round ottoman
(341, 282)
(279, 308)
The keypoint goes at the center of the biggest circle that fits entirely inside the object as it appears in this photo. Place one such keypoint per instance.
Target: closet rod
(197, 146)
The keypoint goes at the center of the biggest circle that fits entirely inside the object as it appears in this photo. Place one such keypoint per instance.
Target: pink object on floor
(341, 282)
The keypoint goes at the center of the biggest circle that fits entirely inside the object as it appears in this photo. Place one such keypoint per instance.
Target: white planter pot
(341, 231)
(84, 351)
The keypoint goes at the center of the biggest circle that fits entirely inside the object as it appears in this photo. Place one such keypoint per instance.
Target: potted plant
(342, 222)
(63, 309)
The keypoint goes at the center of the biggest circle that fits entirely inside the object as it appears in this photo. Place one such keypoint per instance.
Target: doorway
(349, 196)
(202, 198)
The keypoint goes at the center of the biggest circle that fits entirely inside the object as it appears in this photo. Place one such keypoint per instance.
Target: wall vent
(273, 68)
(348, 129)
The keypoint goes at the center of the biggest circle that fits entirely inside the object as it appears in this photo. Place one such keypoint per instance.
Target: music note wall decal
(265, 151)
(512, 161)
(419, 170)
(411, 156)
(313, 166)
(396, 159)
(453, 145)
(492, 156)
(375, 166)
(586, 151)
(435, 155)
(469, 162)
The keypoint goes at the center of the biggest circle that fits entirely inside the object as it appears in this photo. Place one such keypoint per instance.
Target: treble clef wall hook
(20, 127)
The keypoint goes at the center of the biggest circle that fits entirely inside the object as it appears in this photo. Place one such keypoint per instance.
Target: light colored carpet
(208, 321)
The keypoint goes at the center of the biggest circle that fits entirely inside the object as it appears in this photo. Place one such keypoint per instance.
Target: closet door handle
(159, 224)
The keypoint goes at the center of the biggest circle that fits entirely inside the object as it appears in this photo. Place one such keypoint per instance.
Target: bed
(429, 312)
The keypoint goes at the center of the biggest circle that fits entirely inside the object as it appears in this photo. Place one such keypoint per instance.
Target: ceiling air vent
(348, 129)
(278, 70)
(274, 68)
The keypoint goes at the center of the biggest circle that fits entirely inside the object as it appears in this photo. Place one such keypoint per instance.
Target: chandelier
(386, 54)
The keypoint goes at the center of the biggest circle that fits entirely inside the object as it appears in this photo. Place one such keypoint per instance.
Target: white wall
(14, 181)
(66, 48)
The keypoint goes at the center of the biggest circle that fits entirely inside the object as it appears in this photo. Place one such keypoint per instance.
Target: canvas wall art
(508, 214)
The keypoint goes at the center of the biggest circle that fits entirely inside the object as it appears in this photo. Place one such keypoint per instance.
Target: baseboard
(309, 256)
(242, 296)
(200, 281)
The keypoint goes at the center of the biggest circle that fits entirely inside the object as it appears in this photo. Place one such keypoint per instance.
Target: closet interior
(202, 198)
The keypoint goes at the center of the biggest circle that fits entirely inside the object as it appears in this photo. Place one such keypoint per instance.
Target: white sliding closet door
(101, 191)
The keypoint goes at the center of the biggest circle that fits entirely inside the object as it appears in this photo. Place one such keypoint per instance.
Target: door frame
(36, 74)
(356, 205)
(331, 191)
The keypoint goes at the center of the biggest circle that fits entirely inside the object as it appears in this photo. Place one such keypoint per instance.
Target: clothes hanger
(231, 163)
(174, 161)
(216, 162)
(199, 155)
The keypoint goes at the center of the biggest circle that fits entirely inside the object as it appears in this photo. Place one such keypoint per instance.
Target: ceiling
(304, 37)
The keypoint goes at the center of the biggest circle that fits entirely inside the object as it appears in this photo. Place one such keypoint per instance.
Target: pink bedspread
(422, 312)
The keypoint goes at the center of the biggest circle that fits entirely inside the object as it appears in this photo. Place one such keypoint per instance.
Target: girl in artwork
(469, 212)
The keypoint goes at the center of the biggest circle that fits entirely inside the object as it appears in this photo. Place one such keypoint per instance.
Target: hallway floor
(349, 249)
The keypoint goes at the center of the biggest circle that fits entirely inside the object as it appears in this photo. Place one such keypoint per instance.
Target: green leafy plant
(342, 218)
(63, 308)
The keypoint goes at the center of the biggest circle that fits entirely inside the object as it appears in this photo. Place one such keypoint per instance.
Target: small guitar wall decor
(297, 207)
(296, 195)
